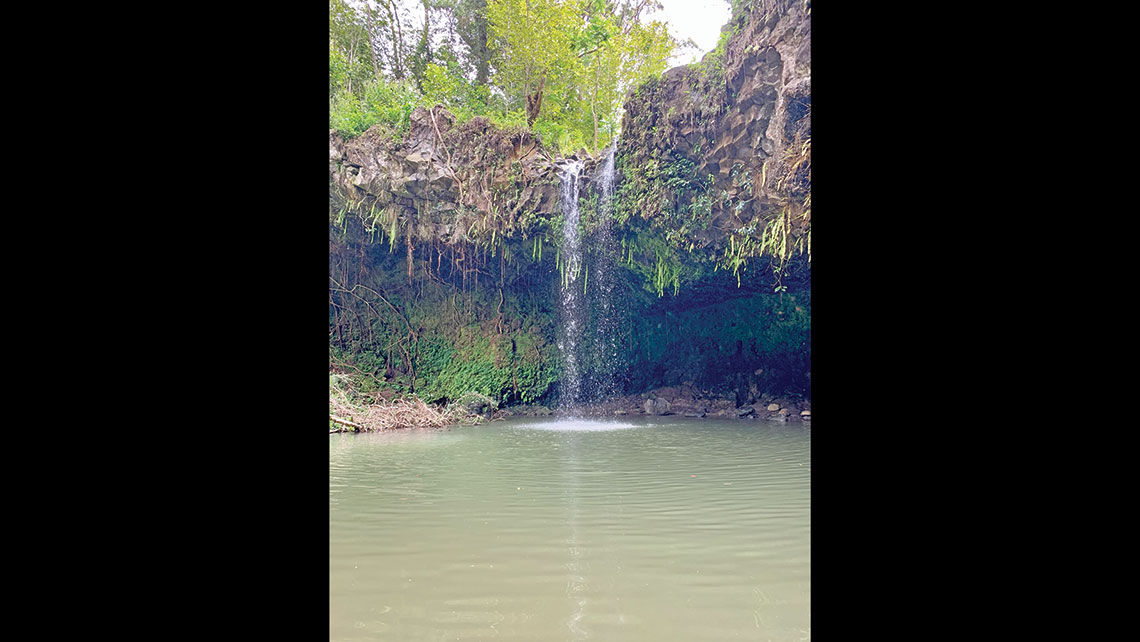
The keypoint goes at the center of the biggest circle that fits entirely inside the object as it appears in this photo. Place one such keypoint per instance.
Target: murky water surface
(642, 529)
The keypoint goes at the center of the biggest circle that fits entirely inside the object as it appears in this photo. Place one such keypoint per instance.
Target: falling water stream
(571, 295)
(606, 318)
(588, 336)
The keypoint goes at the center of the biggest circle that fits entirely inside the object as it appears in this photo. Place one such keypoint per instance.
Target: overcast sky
(700, 20)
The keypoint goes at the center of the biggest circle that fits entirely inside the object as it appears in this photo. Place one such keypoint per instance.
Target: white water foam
(576, 424)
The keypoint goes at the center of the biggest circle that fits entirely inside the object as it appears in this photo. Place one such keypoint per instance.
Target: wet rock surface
(682, 401)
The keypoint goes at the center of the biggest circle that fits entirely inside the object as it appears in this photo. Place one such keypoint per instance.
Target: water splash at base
(573, 424)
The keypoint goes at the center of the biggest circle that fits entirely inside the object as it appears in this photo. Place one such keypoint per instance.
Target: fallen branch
(346, 423)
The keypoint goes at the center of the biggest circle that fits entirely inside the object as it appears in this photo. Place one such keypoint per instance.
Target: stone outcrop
(445, 179)
(657, 406)
(687, 400)
(742, 117)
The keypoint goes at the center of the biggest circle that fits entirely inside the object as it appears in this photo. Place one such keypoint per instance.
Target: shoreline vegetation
(393, 415)
(349, 411)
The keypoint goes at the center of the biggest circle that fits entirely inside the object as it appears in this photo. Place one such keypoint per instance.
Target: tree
(471, 25)
(348, 49)
(562, 67)
(568, 63)
(421, 55)
(532, 38)
(621, 52)
(395, 35)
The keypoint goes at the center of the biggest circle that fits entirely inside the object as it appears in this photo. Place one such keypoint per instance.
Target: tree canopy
(560, 67)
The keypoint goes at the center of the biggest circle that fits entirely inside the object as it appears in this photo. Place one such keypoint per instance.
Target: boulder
(657, 406)
(474, 403)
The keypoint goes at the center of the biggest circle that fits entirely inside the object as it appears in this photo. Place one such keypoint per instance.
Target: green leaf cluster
(584, 55)
(388, 103)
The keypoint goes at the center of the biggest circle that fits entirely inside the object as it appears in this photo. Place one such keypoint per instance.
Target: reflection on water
(554, 530)
(576, 587)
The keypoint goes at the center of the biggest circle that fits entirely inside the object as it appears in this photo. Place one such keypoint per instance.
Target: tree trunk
(345, 423)
(594, 108)
(427, 34)
(371, 22)
(534, 103)
(480, 53)
(482, 64)
(397, 39)
(351, 60)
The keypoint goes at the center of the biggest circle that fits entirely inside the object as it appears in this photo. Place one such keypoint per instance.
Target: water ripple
(692, 530)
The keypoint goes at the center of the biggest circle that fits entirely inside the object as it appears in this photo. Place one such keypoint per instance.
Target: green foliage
(505, 367)
(442, 338)
(661, 267)
(383, 102)
(349, 58)
(468, 19)
(563, 136)
(472, 368)
(339, 70)
(664, 205)
(445, 84)
(712, 65)
(585, 54)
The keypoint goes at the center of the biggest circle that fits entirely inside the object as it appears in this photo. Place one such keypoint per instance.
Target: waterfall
(571, 294)
(588, 336)
(606, 323)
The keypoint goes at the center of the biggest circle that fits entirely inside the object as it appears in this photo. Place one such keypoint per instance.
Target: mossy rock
(474, 403)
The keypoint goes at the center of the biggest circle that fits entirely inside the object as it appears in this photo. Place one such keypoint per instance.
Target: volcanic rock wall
(741, 118)
(445, 179)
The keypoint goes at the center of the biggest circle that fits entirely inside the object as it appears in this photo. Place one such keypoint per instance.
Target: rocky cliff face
(738, 125)
(454, 184)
